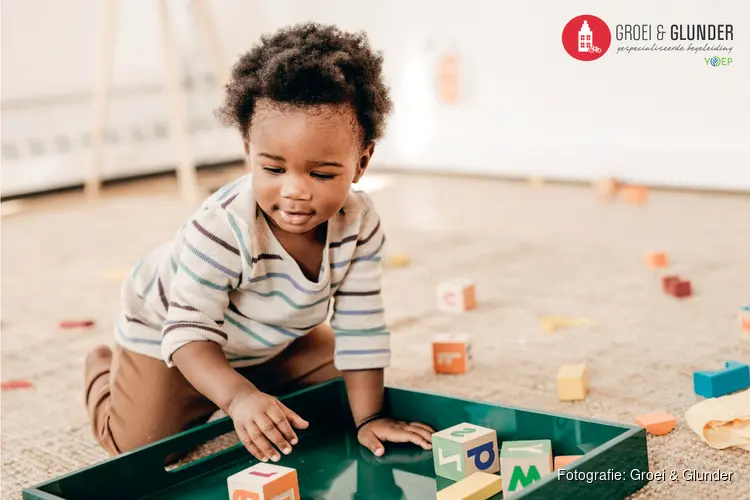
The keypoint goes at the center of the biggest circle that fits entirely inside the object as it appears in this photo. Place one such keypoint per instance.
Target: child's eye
(318, 175)
(274, 170)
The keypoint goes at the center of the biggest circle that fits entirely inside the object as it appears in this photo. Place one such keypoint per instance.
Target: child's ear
(364, 161)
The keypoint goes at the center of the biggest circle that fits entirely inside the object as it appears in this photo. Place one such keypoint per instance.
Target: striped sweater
(226, 278)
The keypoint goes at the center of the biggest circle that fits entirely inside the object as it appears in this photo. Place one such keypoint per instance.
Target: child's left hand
(382, 430)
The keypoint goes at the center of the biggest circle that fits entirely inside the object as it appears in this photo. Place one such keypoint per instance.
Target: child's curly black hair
(310, 64)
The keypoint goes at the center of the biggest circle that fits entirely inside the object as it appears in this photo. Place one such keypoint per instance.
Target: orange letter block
(264, 481)
(745, 319)
(563, 460)
(451, 354)
(636, 195)
(657, 424)
(657, 259)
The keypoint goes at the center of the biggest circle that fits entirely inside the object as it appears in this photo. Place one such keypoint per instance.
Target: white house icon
(584, 38)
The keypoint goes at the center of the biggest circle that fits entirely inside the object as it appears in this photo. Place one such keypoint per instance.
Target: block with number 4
(464, 449)
(264, 481)
(456, 295)
(451, 353)
(523, 463)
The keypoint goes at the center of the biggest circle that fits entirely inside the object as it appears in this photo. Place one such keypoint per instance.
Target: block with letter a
(457, 295)
(464, 449)
(451, 353)
(264, 481)
(523, 463)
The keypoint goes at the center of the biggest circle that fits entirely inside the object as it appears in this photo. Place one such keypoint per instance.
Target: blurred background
(485, 173)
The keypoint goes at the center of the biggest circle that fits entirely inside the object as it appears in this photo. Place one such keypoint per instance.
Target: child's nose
(295, 188)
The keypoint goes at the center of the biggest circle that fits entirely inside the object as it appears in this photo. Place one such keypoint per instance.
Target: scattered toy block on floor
(563, 460)
(524, 462)
(16, 384)
(553, 323)
(464, 449)
(457, 295)
(656, 260)
(636, 195)
(677, 287)
(607, 188)
(478, 486)
(572, 382)
(76, 323)
(657, 424)
(745, 319)
(264, 481)
(398, 260)
(668, 283)
(451, 353)
(713, 384)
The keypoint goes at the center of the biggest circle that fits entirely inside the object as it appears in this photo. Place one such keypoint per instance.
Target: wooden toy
(636, 195)
(451, 353)
(656, 260)
(553, 323)
(734, 377)
(745, 319)
(76, 323)
(563, 460)
(478, 486)
(398, 260)
(657, 424)
(456, 295)
(523, 462)
(463, 449)
(16, 384)
(677, 287)
(607, 188)
(264, 481)
(572, 382)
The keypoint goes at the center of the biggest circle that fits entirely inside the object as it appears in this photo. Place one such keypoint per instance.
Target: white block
(456, 295)
(264, 481)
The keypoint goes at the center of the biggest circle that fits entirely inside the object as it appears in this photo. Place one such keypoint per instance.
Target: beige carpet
(549, 250)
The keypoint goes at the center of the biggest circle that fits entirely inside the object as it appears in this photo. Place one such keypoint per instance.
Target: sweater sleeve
(208, 268)
(362, 338)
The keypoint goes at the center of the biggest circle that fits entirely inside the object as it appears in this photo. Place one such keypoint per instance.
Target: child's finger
(419, 440)
(296, 420)
(259, 439)
(423, 426)
(371, 441)
(254, 450)
(269, 428)
(278, 417)
(420, 431)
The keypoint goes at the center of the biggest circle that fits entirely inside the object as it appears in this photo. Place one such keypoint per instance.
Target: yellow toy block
(572, 382)
(478, 486)
(398, 260)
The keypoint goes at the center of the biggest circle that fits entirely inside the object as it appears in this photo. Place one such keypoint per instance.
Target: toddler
(237, 308)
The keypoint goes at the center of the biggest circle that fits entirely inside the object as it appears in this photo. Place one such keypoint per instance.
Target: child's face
(303, 162)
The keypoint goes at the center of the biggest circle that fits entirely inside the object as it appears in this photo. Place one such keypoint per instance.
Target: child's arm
(208, 268)
(363, 343)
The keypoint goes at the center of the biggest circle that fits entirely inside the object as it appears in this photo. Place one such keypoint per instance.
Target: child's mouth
(295, 218)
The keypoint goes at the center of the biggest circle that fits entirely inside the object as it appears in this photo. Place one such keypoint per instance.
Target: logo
(717, 61)
(586, 38)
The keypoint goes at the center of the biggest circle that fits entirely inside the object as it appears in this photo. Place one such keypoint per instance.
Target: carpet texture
(533, 251)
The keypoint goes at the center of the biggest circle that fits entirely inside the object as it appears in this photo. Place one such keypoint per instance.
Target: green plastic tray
(331, 464)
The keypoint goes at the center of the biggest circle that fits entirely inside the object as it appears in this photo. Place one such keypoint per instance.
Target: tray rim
(210, 428)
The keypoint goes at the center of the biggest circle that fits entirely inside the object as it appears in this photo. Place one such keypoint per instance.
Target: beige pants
(133, 400)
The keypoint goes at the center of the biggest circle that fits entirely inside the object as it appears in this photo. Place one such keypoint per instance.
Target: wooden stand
(179, 126)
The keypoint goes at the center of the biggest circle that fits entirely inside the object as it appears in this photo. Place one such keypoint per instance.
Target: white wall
(527, 108)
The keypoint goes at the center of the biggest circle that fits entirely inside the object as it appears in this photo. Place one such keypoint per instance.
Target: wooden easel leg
(186, 174)
(101, 97)
(218, 56)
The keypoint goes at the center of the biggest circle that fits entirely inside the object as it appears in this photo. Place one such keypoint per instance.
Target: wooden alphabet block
(398, 260)
(607, 188)
(734, 377)
(657, 424)
(464, 449)
(637, 195)
(656, 260)
(677, 287)
(563, 460)
(451, 353)
(264, 481)
(456, 295)
(745, 319)
(478, 486)
(572, 382)
(524, 462)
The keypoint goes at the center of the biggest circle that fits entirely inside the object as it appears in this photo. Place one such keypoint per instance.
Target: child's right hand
(261, 419)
